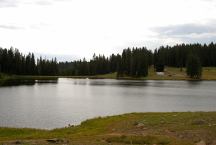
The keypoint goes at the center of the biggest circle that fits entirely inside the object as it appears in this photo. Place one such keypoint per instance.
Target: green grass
(171, 73)
(177, 128)
(3, 76)
(160, 140)
(108, 76)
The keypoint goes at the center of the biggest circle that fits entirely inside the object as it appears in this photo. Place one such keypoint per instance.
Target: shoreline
(95, 77)
(103, 117)
(171, 73)
(167, 128)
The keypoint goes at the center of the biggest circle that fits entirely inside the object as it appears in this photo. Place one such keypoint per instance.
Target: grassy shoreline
(10, 80)
(209, 73)
(170, 73)
(175, 128)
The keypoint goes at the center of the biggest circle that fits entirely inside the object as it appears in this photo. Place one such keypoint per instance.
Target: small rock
(18, 142)
(135, 123)
(140, 125)
(55, 140)
(201, 143)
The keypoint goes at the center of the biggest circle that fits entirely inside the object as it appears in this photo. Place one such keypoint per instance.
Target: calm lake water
(70, 101)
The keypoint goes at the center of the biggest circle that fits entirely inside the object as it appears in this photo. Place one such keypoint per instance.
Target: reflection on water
(18, 82)
(51, 104)
(153, 83)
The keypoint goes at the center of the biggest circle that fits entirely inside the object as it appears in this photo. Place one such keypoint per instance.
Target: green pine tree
(194, 67)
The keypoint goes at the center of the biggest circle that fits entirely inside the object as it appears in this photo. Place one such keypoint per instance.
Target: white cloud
(82, 27)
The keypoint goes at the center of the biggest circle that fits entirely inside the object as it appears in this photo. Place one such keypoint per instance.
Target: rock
(18, 142)
(160, 73)
(201, 143)
(135, 123)
(140, 125)
(56, 140)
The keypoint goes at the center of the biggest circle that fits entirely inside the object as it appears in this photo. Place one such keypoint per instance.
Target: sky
(73, 29)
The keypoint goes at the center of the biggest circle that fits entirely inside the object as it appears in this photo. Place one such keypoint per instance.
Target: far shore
(170, 73)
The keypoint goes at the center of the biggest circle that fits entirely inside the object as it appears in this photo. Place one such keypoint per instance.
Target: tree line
(136, 61)
(14, 62)
(131, 62)
(176, 56)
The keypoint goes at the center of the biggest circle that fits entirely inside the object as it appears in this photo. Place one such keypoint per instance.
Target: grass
(177, 128)
(160, 140)
(171, 73)
(109, 76)
(6, 79)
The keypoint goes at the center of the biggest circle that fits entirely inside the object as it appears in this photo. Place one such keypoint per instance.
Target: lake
(70, 101)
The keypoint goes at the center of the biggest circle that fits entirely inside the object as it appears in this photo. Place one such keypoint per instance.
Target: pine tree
(194, 68)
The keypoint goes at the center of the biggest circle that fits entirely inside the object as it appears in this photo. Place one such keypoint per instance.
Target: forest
(135, 61)
(132, 61)
(14, 62)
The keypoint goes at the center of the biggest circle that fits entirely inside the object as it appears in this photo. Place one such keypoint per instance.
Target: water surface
(70, 101)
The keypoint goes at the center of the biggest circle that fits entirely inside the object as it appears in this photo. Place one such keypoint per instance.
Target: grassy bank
(171, 73)
(136, 128)
(6, 79)
(25, 77)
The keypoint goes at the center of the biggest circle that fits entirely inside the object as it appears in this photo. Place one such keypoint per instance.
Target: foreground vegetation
(175, 128)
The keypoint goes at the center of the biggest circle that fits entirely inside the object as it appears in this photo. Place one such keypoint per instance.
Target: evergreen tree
(194, 68)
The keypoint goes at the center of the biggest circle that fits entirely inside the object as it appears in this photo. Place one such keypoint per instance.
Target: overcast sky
(73, 29)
